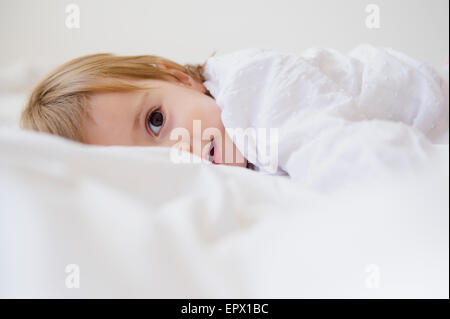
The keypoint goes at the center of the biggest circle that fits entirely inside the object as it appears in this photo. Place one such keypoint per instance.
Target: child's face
(147, 118)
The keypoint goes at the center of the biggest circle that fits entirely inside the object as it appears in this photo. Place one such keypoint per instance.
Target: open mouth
(211, 153)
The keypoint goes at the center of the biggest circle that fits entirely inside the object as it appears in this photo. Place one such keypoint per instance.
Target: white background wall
(188, 31)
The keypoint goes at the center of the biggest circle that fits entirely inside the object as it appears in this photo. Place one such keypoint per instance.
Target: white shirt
(333, 115)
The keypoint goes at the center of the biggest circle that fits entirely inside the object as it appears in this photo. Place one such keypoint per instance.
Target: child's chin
(235, 164)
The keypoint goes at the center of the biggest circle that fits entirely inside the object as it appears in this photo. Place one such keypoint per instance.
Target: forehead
(111, 100)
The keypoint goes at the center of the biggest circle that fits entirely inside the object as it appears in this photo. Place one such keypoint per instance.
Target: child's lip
(216, 156)
(211, 149)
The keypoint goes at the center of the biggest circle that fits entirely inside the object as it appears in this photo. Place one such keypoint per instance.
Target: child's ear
(186, 79)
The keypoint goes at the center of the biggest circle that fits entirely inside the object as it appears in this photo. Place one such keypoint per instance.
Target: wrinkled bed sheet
(138, 225)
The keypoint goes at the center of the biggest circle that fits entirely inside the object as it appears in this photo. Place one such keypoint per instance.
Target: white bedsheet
(138, 225)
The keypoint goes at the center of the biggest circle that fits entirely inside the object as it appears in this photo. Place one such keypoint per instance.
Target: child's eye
(155, 121)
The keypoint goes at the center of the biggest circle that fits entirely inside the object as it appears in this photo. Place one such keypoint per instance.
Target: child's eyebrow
(140, 108)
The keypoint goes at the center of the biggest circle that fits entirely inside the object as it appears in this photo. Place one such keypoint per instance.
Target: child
(104, 99)
(335, 116)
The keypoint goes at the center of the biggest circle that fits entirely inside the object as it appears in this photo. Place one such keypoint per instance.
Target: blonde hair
(59, 103)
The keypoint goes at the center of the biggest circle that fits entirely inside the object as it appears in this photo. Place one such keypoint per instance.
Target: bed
(79, 221)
